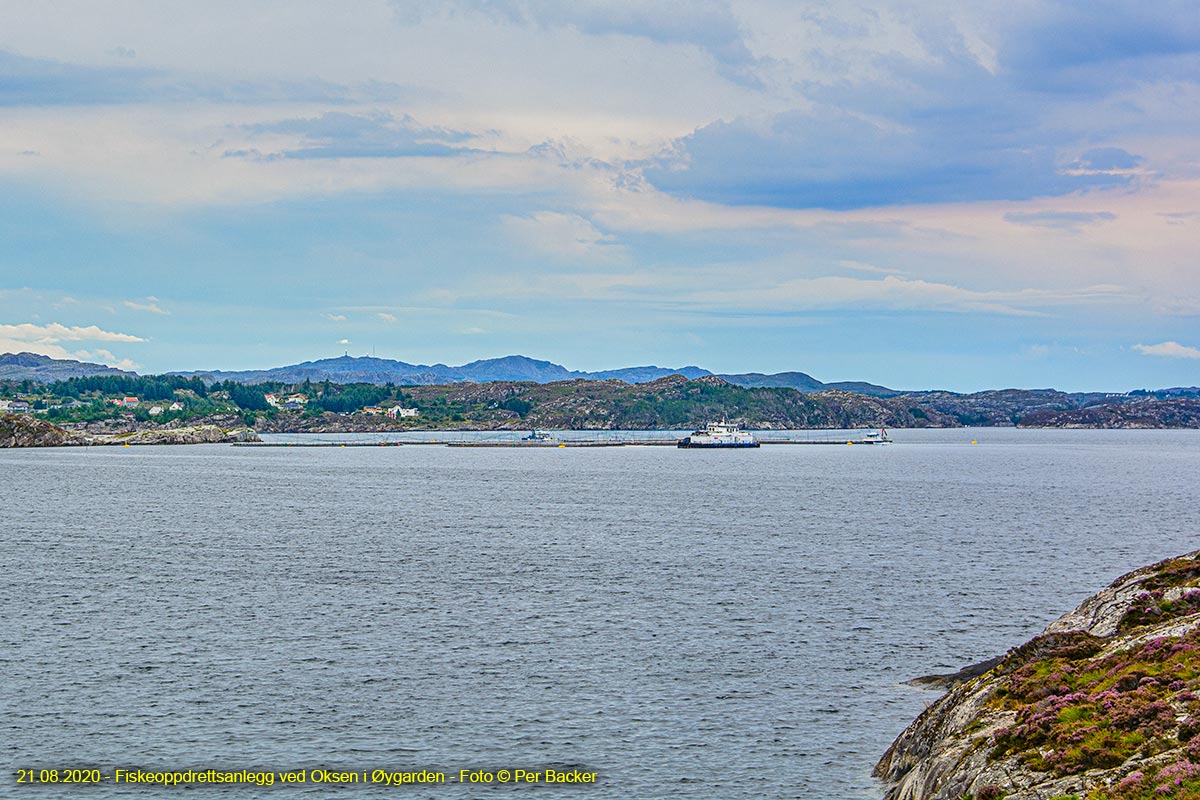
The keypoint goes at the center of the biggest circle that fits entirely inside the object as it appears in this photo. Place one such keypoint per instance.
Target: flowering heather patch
(1150, 607)
(1076, 711)
(1179, 781)
(1176, 572)
(1108, 711)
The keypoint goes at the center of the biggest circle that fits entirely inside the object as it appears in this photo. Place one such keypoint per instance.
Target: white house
(155, 410)
(176, 406)
(395, 412)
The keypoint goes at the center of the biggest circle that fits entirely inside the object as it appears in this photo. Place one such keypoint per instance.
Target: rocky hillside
(20, 430)
(31, 366)
(1105, 703)
(676, 402)
(1182, 412)
(670, 402)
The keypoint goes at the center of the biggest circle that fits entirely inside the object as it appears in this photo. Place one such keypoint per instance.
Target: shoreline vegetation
(1102, 705)
(118, 405)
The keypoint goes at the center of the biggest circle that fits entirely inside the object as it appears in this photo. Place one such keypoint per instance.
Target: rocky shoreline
(24, 431)
(1105, 703)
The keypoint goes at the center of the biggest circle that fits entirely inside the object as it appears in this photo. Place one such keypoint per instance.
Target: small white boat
(876, 437)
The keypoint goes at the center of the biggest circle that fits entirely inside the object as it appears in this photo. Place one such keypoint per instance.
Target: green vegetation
(672, 402)
(667, 403)
(345, 399)
(1159, 605)
(1077, 707)
(150, 387)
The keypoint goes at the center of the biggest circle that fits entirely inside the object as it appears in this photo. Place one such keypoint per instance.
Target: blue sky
(926, 194)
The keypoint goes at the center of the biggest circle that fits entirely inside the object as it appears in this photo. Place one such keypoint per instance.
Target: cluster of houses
(298, 402)
(395, 412)
(23, 406)
(293, 402)
(155, 410)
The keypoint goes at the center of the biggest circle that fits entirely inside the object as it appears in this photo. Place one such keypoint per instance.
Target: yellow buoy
(974, 442)
(850, 443)
(562, 445)
(127, 444)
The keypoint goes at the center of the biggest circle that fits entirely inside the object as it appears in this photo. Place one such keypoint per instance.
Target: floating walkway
(563, 443)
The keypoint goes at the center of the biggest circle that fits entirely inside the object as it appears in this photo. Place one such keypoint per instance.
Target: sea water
(682, 623)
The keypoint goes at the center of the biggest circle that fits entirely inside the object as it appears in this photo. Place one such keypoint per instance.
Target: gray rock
(949, 751)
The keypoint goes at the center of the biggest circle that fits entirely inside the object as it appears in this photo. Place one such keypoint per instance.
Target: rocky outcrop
(19, 430)
(22, 430)
(130, 424)
(1179, 412)
(328, 422)
(1103, 704)
(196, 434)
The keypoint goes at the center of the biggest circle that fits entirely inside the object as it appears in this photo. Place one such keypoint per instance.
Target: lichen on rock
(1104, 704)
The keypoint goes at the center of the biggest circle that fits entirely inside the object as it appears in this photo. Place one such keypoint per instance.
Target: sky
(961, 195)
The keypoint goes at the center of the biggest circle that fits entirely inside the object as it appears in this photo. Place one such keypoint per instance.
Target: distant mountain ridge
(367, 369)
(1003, 406)
(31, 366)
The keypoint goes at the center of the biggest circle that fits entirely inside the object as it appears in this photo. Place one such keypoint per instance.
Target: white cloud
(106, 357)
(54, 333)
(563, 235)
(151, 306)
(45, 340)
(726, 289)
(1168, 349)
(565, 109)
(343, 341)
(386, 317)
(861, 267)
(892, 293)
(1071, 221)
(709, 25)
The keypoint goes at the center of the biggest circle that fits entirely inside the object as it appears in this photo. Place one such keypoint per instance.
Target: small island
(1105, 703)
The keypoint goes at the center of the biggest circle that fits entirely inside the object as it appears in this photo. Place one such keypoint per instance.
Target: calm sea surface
(688, 624)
